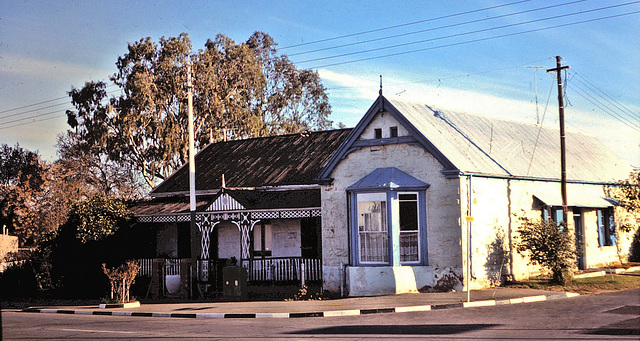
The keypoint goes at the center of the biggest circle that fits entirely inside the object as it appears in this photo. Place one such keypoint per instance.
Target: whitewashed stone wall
(285, 238)
(496, 206)
(443, 210)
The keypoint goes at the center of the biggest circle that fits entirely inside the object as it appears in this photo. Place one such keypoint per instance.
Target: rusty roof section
(249, 199)
(294, 159)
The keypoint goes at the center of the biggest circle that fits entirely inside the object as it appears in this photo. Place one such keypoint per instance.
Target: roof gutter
(526, 178)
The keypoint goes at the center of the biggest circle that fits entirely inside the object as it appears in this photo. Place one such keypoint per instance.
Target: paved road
(605, 316)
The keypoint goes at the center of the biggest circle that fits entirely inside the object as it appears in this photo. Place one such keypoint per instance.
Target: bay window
(388, 219)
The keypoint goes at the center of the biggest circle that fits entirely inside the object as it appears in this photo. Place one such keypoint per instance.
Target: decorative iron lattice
(205, 226)
(164, 219)
(245, 225)
(295, 214)
(145, 219)
(265, 215)
(183, 218)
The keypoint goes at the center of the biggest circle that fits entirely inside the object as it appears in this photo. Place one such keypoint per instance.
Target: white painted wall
(443, 210)
(286, 238)
(497, 204)
(229, 240)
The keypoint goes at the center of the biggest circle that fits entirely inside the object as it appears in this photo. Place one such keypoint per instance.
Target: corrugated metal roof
(555, 199)
(478, 144)
(249, 199)
(389, 177)
(268, 161)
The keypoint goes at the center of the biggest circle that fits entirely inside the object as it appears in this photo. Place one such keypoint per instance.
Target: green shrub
(549, 246)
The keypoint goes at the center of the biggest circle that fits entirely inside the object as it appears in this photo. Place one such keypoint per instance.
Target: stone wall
(442, 201)
(496, 206)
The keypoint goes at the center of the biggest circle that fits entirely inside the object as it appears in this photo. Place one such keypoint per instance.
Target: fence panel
(284, 269)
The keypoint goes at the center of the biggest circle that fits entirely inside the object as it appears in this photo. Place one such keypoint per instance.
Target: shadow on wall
(498, 257)
(634, 253)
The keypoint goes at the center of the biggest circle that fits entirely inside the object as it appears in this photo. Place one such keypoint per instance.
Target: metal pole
(192, 175)
(470, 216)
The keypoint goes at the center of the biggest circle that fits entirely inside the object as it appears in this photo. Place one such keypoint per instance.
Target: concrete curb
(330, 313)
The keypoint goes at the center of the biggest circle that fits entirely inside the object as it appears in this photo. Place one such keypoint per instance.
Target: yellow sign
(470, 218)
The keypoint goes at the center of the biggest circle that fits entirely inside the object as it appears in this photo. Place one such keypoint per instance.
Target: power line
(434, 29)
(32, 110)
(41, 108)
(611, 100)
(584, 94)
(439, 79)
(401, 25)
(474, 32)
(474, 40)
(34, 104)
(31, 122)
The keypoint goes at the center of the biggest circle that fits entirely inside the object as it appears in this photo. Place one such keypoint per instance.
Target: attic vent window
(378, 133)
(393, 132)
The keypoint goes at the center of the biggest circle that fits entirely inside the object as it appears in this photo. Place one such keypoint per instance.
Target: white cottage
(401, 194)
(406, 200)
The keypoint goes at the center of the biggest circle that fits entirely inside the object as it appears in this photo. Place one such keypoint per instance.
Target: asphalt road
(607, 316)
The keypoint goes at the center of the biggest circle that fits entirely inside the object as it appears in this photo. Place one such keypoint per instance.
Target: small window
(378, 133)
(393, 132)
(553, 213)
(409, 236)
(606, 228)
(372, 228)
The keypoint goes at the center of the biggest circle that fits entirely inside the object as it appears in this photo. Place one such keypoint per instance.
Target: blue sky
(488, 62)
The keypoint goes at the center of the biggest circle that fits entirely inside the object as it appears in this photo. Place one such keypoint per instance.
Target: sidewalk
(327, 308)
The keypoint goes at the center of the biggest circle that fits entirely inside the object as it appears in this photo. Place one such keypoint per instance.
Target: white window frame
(380, 197)
(416, 231)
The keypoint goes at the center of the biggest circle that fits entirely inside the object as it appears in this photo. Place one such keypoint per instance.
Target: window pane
(409, 246)
(372, 231)
(373, 247)
(606, 228)
(408, 215)
(409, 238)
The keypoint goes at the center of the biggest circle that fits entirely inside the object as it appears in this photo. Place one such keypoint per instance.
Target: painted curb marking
(330, 313)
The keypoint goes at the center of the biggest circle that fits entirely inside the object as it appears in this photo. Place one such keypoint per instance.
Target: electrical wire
(483, 30)
(44, 114)
(609, 98)
(475, 40)
(591, 99)
(434, 28)
(440, 79)
(401, 25)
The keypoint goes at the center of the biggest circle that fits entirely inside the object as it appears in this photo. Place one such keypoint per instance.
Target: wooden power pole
(563, 159)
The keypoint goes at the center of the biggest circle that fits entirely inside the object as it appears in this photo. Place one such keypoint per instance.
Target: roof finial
(224, 185)
(380, 92)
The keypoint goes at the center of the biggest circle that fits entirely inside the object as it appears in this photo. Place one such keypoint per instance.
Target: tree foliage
(121, 279)
(547, 245)
(240, 90)
(97, 218)
(629, 193)
(24, 180)
(83, 173)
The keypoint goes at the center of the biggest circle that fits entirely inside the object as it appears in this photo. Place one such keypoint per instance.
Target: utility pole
(192, 174)
(563, 160)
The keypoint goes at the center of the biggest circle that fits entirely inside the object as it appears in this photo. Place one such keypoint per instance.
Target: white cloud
(621, 139)
(31, 67)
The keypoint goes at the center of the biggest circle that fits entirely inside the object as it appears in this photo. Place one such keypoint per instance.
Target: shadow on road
(426, 329)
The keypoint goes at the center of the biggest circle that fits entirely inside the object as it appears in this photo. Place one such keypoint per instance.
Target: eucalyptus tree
(240, 90)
